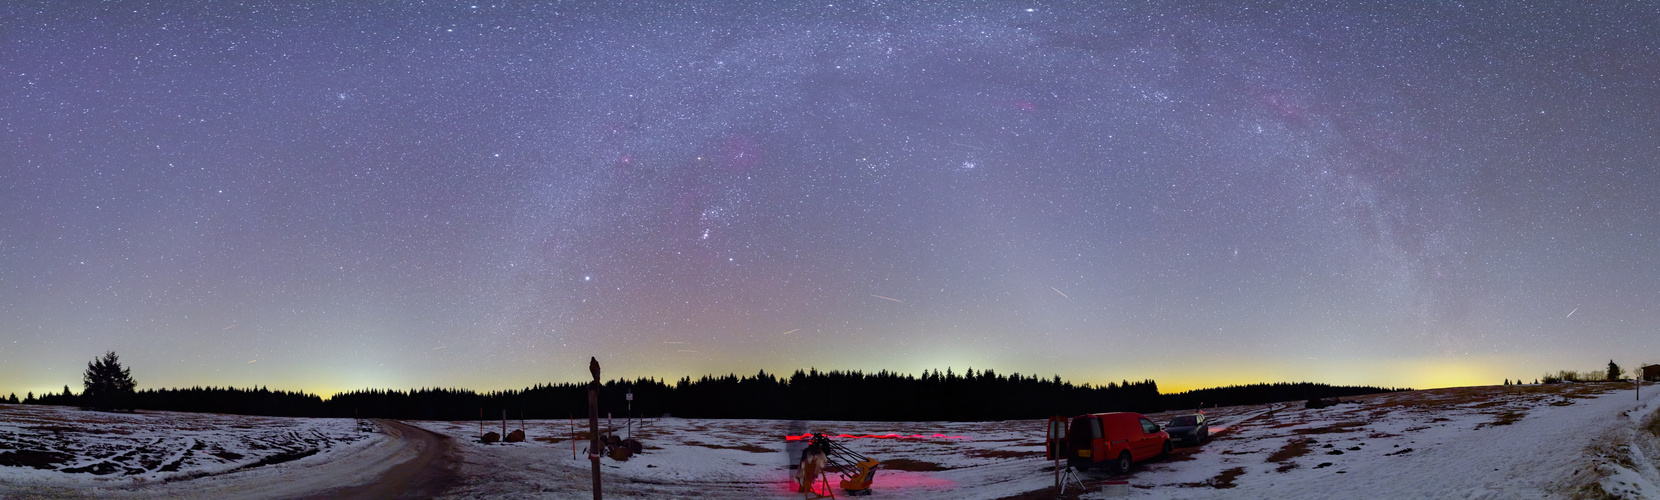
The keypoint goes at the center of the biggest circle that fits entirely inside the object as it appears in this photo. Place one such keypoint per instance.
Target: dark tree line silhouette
(884, 395)
(804, 395)
(1234, 395)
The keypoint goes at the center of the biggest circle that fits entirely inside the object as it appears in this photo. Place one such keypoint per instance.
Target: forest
(804, 395)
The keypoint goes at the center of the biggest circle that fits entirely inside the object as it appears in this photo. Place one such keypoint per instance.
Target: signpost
(593, 422)
(630, 398)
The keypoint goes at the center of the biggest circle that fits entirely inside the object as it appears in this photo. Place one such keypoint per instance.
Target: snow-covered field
(1479, 442)
(55, 451)
(1569, 440)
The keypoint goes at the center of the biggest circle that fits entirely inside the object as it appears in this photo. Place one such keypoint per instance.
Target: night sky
(337, 195)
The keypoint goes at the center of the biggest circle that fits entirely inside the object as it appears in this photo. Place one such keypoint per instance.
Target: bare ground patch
(1178, 455)
(1503, 418)
(1049, 493)
(1292, 449)
(1331, 429)
(906, 464)
(1221, 481)
(287, 456)
(747, 447)
(1005, 453)
(33, 458)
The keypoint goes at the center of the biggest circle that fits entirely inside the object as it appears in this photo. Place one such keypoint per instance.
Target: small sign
(630, 396)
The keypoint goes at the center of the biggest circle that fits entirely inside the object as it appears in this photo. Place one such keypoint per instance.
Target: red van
(1113, 439)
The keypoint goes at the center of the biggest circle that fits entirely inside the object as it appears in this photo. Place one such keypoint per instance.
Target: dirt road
(429, 474)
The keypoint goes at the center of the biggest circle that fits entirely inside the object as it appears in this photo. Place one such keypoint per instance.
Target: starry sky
(326, 196)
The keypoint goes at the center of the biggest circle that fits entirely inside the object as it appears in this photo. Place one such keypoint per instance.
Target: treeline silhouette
(835, 395)
(1234, 395)
(249, 401)
(804, 395)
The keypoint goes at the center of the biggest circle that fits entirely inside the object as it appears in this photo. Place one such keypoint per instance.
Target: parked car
(1114, 441)
(1189, 429)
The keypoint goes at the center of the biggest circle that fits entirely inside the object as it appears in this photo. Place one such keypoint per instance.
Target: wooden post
(593, 423)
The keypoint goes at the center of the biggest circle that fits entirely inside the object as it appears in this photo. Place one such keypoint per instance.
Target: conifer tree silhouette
(108, 386)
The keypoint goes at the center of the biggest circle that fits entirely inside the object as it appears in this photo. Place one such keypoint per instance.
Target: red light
(809, 436)
(789, 486)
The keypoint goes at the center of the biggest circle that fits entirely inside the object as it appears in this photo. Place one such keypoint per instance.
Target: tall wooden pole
(593, 422)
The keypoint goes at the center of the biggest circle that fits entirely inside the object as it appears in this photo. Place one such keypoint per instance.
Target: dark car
(1188, 429)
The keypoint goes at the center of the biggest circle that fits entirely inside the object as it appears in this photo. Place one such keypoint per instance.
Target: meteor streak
(1063, 294)
(887, 298)
(792, 331)
(1571, 313)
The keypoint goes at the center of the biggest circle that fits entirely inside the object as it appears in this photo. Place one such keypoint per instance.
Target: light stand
(1069, 477)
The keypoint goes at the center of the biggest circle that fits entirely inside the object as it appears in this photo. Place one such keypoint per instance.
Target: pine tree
(108, 385)
(1613, 370)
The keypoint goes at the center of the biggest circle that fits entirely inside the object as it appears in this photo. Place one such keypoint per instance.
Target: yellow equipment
(859, 484)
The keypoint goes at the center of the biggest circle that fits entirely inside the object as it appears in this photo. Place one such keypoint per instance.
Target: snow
(1474, 442)
(1479, 442)
(748, 458)
(68, 452)
(1627, 470)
